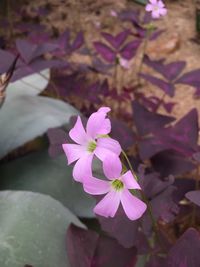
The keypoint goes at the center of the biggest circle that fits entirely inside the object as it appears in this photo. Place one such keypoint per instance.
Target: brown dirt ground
(174, 44)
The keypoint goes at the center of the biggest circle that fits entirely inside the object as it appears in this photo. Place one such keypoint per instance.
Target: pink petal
(73, 152)
(112, 166)
(155, 14)
(160, 4)
(83, 168)
(108, 206)
(96, 186)
(98, 124)
(149, 7)
(130, 181)
(104, 109)
(163, 11)
(153, 2)
(78, 134)
(109, 144)
(133, 206)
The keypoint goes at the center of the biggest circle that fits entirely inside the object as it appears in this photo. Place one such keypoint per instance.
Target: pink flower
(124, 63)
(91, 142)
(113, 13)
(116, 190)
(157, 8)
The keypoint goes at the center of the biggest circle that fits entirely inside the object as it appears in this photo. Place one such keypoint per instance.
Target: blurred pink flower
(157, 8)
(113, 13)
(124, 63)
(91, 142)
(116, 190)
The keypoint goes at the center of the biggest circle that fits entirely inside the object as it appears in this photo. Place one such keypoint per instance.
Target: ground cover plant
(94, 171)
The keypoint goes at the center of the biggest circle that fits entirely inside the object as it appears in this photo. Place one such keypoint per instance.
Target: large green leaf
(39, 173)
(30, 85)
(33, 229)
(25, 117)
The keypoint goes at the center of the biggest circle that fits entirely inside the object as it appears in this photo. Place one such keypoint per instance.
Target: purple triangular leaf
(7, 60)
(146, 121)
(29, 51)
(168, 88)
(190, 78)
(172, 70)
(107, 53)
(194, 196)
(130, 49)
(116, 41)
(185, 253)
(78, 42)
(168, 162)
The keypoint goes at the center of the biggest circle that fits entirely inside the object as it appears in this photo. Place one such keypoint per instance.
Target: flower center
(117, 185)
(92, 146)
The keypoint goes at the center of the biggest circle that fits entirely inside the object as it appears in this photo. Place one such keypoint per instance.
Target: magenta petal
(83, 168)
(129, 181)
(96, 186)
(108, 206)
(112, 166)
(73, 152)
(98, 124)
(78, 134)
(133, 206)
(149, 7)
(104, 109)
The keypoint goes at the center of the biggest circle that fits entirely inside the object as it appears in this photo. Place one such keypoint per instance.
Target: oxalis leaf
(33, 228)
(40, 173)
(31, 85)
(27, 117)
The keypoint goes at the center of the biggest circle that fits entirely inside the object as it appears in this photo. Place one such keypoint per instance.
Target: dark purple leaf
(7, 60)
(169, 162)
(169, 71)
(37, 66)
(118, 40)
(107, 53)
(99, 66)
(130, 49)
(152, 185)
(146, 121)
(124, 230)
(122, 133)
(168, 106)
(96, 251)
(194, 196)
(172, 70)
(156, 34)
(196, 156)
(130, 15)
(197, 92)
(84, 243)
(29, 51)
(155, 261)
(183, 185)
(190, 78)
(63, 41)
(163, 205)
(168, 88)
(78, 42)
(185, 253)
(57, 137)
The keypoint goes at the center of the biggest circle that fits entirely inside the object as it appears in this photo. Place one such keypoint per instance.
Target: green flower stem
(144, 198)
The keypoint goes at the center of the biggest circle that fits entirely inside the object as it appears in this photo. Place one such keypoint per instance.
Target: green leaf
(26, 117)
(40, 173)
(141, 2)
(33, 229)
(30, 85)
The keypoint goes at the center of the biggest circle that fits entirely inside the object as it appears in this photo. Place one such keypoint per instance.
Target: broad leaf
(31, 85)
(27, 117)
(33, 228)
(40, 173)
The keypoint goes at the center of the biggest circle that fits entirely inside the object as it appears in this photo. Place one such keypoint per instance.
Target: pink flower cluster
(157, 8)
(95, 142)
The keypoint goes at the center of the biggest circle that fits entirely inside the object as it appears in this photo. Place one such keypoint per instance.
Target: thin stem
(143, 53)
(149, 208)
